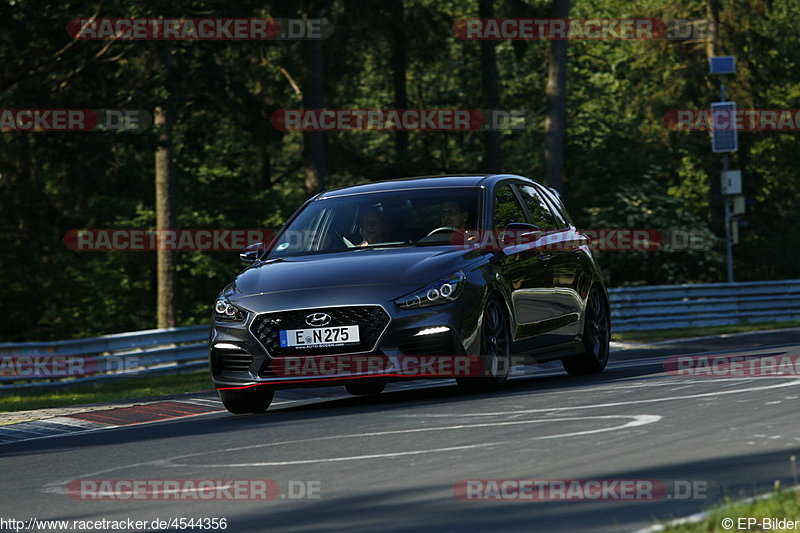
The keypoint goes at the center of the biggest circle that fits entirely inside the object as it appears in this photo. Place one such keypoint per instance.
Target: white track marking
(59, 487)
(722, 336)
(348, 457)
(638, 420)
(617, 404)
(56, 484)
(613, 386)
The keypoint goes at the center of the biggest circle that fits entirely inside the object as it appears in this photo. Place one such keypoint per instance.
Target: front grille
(435, 344)
(227, 360)
(370, 319)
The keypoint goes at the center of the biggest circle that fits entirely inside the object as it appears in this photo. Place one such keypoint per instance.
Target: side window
(506, 208)
(558, 209)
(538, 209)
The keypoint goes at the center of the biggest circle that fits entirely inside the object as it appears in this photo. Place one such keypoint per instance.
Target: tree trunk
(264, 164)
(712, 25)
(314, 161)
(556, 91)
(492, 156)
(399, 64)
(165, 218)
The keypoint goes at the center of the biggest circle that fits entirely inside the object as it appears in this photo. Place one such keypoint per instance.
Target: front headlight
(227, 312)
(445, 290)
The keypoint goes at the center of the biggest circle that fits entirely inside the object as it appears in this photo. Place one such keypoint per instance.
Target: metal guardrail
(32, 364)
(657, 307)
(186, 348)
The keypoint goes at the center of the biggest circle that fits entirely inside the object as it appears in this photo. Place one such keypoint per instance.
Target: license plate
(319, 337)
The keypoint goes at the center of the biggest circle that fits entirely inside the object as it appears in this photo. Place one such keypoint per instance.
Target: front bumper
(246, 354)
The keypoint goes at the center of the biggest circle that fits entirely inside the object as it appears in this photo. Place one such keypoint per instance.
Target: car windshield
(408, 217)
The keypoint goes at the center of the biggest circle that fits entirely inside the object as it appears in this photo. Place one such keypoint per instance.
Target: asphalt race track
(393, 462)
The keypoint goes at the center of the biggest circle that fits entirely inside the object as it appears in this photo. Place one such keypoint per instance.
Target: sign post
(724, 139)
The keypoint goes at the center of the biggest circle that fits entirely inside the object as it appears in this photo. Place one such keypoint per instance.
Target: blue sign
(722, 65)
(724, 135)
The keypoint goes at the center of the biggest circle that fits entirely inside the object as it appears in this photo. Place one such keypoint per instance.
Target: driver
(374, 227)
(454, 215)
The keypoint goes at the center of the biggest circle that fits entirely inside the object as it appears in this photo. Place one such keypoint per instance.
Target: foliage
(234, 170)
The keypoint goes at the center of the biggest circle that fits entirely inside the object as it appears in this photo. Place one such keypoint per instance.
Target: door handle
(544, 258)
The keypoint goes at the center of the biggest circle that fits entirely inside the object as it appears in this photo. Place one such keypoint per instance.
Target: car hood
(404, 268)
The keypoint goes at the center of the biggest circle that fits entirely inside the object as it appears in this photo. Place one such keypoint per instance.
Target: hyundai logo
(318, 319)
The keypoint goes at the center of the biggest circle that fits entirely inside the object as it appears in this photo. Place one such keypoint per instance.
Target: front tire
(495, 351)
(596, 338)
(252, 400)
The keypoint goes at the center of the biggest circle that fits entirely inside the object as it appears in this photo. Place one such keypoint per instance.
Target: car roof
(419, 182)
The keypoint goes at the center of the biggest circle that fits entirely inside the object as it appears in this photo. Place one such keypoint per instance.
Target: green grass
(667, 334)
(136, 387)
(781, 504)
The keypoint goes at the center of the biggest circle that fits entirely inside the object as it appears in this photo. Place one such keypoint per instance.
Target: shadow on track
(391, 401)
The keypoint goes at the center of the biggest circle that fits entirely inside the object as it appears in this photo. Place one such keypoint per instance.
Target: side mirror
(519, 233)
(252, 252)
